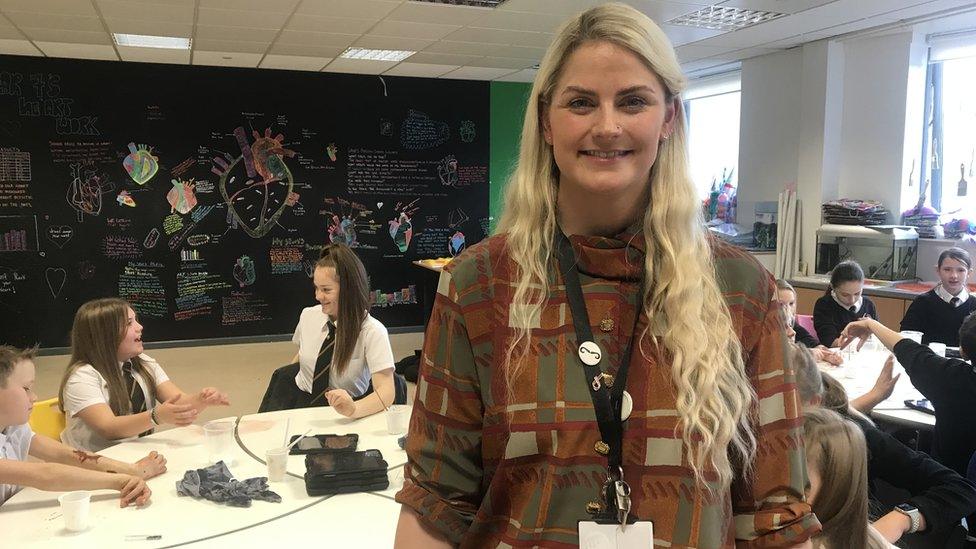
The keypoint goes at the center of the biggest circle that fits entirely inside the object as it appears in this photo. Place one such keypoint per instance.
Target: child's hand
(210, 396)
(150, 466)
(823, 354)
(133, 490)
(885, 384)
(341, 401)
(176, 413)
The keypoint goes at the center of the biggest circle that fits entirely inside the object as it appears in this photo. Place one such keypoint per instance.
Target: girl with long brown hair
(111, 390)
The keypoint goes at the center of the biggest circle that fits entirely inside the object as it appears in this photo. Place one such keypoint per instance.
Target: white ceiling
(451, 41)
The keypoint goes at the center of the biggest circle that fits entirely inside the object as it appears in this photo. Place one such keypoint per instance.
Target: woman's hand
(133, 489)
(174, 413)
(150, 466)
(341, 401)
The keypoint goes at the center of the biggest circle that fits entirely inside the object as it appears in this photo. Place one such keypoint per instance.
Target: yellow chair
(47, 419)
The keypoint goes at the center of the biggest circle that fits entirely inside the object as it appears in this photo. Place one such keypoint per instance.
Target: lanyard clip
(622, 490)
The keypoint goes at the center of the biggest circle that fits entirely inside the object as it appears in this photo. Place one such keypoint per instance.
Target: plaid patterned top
(490, 469)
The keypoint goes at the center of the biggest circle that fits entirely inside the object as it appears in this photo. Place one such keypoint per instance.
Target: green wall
(508, 101)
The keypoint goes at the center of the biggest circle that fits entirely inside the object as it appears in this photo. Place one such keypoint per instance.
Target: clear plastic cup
(938, 348)
(398, 419)
(219, 438)
(277, 460)
(75, 507)
(912, 335)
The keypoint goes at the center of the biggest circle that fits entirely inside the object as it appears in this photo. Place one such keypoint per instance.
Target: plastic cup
(912, 335)
(938, 348)
(219, 438)
(75, 507)
(277, 460)
(397, 419)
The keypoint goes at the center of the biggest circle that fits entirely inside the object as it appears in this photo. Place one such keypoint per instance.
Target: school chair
(806, 322)
(47, 418)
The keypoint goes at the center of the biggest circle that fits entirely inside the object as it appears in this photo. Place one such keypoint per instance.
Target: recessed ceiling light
(726, 19)
(471, 3)
(376, 55)
(147, 41)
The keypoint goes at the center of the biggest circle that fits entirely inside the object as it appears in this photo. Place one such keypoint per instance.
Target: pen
(143, 537)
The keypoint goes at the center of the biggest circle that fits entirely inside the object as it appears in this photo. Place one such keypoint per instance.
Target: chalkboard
(203, 195)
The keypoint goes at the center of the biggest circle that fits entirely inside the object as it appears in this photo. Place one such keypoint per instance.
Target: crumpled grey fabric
(215, 483)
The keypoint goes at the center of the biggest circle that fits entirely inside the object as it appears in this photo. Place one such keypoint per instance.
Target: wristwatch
(912, 513)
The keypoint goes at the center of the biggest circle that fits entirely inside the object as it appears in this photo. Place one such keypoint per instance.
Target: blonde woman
(512, 440)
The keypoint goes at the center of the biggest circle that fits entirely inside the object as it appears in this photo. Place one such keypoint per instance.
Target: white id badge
(639, 535)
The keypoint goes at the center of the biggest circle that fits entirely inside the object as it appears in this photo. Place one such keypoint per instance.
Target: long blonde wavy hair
(691, 319)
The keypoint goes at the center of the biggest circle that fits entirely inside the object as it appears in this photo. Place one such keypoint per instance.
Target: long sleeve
(914, 319)
(934, 376)
(804, 337)
(443, 477)
(825, 320)
(770, 506)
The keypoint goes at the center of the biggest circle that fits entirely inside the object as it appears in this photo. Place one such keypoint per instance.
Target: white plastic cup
(938, 348)
(74, 508)
(277, 460)
(912, 335)
(219, 438)
(398, 419)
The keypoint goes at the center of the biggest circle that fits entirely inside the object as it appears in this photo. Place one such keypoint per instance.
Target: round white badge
(626, 406)
(590, 353)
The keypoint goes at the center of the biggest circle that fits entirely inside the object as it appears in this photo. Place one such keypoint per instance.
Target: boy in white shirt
(61, 467)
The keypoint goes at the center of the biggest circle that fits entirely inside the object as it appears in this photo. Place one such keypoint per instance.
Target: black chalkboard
(203, 195)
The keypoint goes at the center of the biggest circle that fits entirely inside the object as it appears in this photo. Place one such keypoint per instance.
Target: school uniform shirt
(86, 387)
(15, 443)
(493, 464)
(830, 317)
(371, 354)
(937, 316)
(950, 383)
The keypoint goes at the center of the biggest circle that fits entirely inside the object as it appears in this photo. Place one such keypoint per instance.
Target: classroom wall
(508, 100)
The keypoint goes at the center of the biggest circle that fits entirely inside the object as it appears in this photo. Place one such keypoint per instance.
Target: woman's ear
(544, 122)
(671, 116)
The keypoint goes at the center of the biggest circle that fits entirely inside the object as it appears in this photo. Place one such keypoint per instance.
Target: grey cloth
(215, 483)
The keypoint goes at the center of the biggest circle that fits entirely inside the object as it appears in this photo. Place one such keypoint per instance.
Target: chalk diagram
(401, 226)
(85, 190)
(182, 197)
(140, 164)
(244, 271)
(447, 171)
(257, 185)
(345, 219)
(55, 277)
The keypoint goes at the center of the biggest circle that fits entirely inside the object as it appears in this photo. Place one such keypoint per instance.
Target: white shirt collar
(963, 294)
(857, 304)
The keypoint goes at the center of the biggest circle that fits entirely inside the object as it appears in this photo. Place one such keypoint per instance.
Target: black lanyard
(607, 397)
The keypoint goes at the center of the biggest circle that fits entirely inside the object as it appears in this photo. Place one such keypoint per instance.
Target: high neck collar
(618, 257)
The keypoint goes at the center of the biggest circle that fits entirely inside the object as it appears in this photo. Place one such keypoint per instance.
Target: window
(712, 110)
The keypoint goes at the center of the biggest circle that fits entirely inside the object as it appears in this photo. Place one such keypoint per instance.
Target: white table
(858, 375)
(32, 518)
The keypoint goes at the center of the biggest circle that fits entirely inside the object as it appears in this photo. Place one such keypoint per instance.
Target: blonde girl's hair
(691, 319)
(96, 333)
(836, 449)
(353, 300)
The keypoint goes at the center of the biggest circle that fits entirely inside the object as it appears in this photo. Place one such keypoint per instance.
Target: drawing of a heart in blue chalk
(55, 277)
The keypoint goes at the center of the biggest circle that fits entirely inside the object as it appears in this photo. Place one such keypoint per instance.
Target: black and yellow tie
(136, 396)
(320, 379)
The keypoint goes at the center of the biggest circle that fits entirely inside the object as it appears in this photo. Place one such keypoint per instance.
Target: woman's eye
(580, 103)
(634, 101)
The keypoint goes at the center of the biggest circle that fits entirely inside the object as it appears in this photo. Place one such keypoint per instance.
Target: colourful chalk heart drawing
(141, 165)
(181, 197)
(256, 185)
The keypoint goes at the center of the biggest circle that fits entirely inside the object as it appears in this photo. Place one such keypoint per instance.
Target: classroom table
(32, 518)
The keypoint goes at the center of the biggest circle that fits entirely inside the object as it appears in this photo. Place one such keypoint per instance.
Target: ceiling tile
(54, 21)
(661, 11)
(240, 34)
(424, 70)
(306, 51)
(555, 7)
(359, 66)
(693, 52)
(680, 34)
(778, 6)
(514, 20)
(314, 23)
(498, 36)
(426, 12)
(442, 58)
(366, 9)
(207, 44)
(154, 55)
(18, 47)
(405, 29)
(704, 67)
(67, 36)
(527, 75)
(477, 73)
(78, 51)
(503, 63)
(305, 38)
(283, 6)
(60, 7)
(152, 28)
(294, 62)
(517, 51)
(226, 59)
(391, 43)
(147, 11)
(241, 18)
(463, 48)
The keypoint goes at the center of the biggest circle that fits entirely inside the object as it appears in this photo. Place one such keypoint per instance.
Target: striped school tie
(320, 379)
(136, 396)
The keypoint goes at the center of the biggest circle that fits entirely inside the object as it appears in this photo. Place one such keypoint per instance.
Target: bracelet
(152, 417)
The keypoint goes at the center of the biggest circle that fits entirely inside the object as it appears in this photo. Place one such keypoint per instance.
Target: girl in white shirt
(55, 466)
(341, 348)
(108, 376)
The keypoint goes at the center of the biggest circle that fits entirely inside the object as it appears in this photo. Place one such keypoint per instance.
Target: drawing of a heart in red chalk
(257, 185)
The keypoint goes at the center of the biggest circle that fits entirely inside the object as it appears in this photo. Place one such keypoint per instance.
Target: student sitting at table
(787, 298)
(939, 312)
(948, 383)
(56, 467)
(842, 303)
(341, 348)
(111, 390)
(941, 496)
